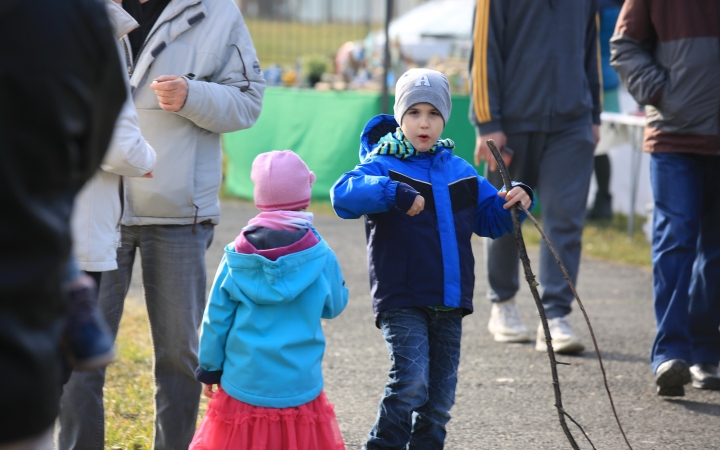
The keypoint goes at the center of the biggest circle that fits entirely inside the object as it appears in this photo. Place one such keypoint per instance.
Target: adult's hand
(482, 151)
(171, 91)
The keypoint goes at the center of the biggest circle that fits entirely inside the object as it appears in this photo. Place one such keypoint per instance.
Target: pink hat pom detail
(282, 181)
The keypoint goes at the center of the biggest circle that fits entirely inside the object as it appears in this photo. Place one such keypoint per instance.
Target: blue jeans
(686, 257)
(424, 347)
(559, 165)
(173, 269)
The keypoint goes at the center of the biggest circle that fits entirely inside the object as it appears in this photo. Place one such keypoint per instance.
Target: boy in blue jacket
(421, 204)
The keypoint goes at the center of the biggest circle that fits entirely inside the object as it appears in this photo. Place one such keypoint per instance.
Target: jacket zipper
(128, 63)
(142, 47)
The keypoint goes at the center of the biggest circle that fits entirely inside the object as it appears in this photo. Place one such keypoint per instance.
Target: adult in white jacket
(194, 74)
(96, 214)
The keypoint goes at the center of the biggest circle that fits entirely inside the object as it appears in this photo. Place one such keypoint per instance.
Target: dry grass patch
(129, 389)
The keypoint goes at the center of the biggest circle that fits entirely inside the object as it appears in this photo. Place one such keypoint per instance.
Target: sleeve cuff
(404, 197)
(527, 189)
(488, 127)
(207, 376)
(192, 99)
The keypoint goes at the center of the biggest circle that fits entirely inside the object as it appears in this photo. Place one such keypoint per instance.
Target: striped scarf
(397, 145)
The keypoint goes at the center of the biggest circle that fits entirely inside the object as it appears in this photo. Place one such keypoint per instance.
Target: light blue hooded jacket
(261, 336)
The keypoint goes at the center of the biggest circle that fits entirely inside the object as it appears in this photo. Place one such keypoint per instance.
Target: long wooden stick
(530, 277)
(541, 310)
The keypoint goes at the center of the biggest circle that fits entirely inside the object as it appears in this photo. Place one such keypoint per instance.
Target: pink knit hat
(282, 181)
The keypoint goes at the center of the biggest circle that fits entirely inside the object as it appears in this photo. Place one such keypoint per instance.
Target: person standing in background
(666, 53)
(602, 204)
(193, 75)
(61, 89)
(535, 91)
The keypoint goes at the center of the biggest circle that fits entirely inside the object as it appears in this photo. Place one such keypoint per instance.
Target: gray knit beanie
(422, 86)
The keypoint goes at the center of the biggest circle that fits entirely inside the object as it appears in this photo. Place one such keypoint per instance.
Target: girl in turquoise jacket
(261, 341)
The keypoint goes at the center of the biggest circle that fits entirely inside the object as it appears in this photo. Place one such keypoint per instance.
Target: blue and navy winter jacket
(426, 259)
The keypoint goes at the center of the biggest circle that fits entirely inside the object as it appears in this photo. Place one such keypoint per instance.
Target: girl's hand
(208, 390)
(516, 194)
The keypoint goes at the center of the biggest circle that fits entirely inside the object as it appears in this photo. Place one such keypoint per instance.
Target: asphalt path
(505, 398)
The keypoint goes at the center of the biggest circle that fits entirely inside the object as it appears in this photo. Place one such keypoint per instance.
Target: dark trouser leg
(602, 207)
(501, 253)
(174, 278)
(563, 184)
(704, 287)
(676, 227)
(82, 417)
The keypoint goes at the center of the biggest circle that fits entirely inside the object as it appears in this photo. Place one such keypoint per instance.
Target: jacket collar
(178, 17)
(121, 21)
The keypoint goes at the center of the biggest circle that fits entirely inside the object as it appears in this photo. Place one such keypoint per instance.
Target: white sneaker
(505, 324)
(563, 339)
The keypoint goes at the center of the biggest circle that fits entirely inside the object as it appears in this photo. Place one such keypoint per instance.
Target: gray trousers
(173, 269)
(559, 167)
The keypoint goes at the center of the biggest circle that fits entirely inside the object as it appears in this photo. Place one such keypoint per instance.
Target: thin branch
(533, 288)
(523, 255)
(587, 319)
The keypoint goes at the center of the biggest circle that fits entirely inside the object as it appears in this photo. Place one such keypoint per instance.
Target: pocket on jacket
(573, 97)
(170, 193)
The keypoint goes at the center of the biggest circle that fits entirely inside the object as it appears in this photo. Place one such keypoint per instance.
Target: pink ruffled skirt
(232, 424)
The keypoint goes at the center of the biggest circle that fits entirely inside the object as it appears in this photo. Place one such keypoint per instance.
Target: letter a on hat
(423, 81)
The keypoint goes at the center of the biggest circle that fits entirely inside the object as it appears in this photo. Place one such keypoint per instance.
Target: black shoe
(86, 336)
(671, 376)
(705, 376)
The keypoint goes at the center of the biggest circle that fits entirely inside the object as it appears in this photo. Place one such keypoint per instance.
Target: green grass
(282, 42)
(606, 240)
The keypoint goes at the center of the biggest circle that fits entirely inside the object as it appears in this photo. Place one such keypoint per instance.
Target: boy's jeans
(424, 347)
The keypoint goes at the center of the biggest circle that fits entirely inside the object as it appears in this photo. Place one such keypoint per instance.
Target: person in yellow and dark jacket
(535, 91)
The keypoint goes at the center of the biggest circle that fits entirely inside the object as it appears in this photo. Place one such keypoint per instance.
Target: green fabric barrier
(324, 129)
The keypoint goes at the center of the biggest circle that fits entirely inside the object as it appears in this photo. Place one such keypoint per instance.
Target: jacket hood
(267, 282)
(376, 128)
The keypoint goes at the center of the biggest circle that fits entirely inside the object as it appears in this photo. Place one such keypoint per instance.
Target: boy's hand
(516, 194)
(208, 390)
(417, 206)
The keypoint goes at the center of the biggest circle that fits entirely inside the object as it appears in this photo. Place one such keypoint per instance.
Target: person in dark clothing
(536, 90)
(666, 53)
(60, 92)
(602, 204)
